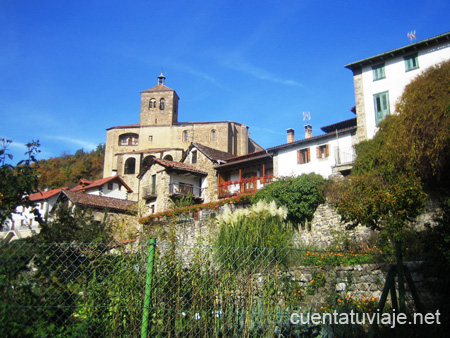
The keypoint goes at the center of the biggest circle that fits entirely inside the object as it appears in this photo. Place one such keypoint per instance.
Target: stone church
(129, 148)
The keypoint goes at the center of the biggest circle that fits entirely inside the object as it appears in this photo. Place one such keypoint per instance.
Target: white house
(23, 222)
(381, 79)
(114, 187)
(325, 154)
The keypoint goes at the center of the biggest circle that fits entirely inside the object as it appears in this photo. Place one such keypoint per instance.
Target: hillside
(66, 170)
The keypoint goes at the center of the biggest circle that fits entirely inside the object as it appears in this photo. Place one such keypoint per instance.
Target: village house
(331, 153)
(244, 174)
(381, 79)
(23, 221)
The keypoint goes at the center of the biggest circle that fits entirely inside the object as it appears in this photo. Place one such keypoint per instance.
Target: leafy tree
(17, 182)
(300, 195)
(67, 170)
(75, 225)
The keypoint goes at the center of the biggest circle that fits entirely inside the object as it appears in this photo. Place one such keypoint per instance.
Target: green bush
(301, 196)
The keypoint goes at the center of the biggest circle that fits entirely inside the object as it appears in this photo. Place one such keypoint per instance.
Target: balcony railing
(246, 185)
(184, 189)
(148, 192)
(345, 155)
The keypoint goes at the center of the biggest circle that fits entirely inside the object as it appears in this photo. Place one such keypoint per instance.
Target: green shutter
(381, 105)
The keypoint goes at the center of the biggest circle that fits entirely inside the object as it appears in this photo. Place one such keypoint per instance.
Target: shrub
(300, 195)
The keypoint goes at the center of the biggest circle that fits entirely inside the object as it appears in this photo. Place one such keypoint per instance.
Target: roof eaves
(399, 51)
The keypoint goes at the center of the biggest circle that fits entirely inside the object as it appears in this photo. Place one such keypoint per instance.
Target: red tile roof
(125, 126)
(43, 195)
(99, 202)
(85, 184)
(210, 153)
(180, 166)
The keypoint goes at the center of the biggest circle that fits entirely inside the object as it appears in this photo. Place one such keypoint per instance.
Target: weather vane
(411, 36)
(306, 116)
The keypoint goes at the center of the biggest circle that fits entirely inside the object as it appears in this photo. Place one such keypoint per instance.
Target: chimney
(114, 172)
(290, 135)
(308, 131)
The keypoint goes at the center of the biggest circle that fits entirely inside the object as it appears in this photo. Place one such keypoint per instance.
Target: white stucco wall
(286, 158)
(24, 220)
(396, 79)
(117, 191)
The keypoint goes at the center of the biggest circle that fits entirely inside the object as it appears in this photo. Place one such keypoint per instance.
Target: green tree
(75, 224)
(300, 195)
(66, 170)
(17, 182)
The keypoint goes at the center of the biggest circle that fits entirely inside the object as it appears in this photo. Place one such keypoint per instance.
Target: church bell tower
(159, 105)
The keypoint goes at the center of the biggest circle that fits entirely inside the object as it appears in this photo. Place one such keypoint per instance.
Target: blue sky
(71, 69)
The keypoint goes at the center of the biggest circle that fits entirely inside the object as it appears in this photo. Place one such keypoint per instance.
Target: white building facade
(380, 80)
(325, 154)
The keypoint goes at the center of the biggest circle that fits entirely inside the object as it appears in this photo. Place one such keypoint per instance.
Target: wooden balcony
(253, 184)
(182, 189)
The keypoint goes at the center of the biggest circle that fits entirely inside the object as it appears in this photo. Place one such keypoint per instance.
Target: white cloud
(86, 145)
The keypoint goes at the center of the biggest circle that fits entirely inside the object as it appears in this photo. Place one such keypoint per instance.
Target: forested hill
(66, 170)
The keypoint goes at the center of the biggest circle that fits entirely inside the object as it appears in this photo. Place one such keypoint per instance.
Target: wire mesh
(97, 290)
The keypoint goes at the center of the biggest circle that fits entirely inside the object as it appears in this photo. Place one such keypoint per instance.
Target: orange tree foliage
(422, 140)
(67, 170)
(411, 148)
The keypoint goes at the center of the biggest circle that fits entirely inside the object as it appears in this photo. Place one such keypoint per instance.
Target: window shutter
(308, 157)
(327, 151)
(318, 152)
(299, 156)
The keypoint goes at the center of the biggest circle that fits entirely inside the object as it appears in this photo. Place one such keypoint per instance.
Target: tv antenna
(411, 36)
(306, 116)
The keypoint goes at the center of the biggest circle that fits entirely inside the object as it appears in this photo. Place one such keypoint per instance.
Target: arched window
(185, 136)
(168, 157)
(147, 161)
(152, 103)
(213, 135)
(161, 104)
(130, 166)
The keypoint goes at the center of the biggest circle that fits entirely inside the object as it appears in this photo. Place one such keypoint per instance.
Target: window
(381, 103)
(194, 157)
(411, 62)
(161, 104)
(378, 72)
(130, 166)
(185, 136)
(152, 103)
(168, 157)
(150, 138)
(152, 209)
(303, 156)
(147, 161)
(110, 186)
(153, 184)
(322, 151)
(128, 140)
(213, 135)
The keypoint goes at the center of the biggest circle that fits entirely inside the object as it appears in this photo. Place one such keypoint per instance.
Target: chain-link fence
(99, 290)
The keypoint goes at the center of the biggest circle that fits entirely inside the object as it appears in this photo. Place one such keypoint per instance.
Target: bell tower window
(152, 103)
(161, 104)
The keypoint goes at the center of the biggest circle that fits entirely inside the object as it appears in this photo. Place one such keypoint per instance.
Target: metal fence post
(148, 287)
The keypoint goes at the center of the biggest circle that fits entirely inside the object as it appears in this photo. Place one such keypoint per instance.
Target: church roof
(158, 88)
